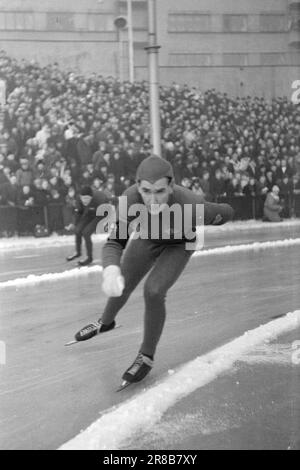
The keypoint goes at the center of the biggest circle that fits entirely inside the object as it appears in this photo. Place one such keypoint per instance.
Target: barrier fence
(23, 220)
(249, 207)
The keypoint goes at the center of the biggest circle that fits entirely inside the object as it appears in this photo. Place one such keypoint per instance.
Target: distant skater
(86, 222)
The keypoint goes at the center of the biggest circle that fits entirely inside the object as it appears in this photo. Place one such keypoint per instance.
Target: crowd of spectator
(60, 131)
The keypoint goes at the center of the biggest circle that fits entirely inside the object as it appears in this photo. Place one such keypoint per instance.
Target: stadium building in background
(243, 47)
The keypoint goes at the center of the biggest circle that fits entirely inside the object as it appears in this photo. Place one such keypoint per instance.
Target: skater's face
(85, 200)
(155, 195)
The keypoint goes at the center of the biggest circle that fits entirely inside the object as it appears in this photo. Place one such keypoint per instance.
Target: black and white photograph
(149, 227)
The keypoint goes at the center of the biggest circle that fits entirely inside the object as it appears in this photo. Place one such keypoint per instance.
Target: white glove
(113, 282)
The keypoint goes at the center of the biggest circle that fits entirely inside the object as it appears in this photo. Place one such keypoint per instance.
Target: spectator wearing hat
(3, 174)
(296, 195)
(196, 188)
(24, 174)
(286, 190)
(41, 197)
(205, 184)
(26, 196)
(40, 171)
(217, 184)
(284, 170)
(270, 179)
(11, 163)
(11, 191)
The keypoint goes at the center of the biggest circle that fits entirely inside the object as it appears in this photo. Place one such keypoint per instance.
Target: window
(273, 23)
(188, 60)
(295, 23)
(189, 22)
(139, 14)
(2, 22)
(60, 21)
(9, 20)
(139, 18)
(273, 58)
(140, 55)
(237, 60)
(99, 22)
(235, 23)
(294, 58)
(28, 21)
(20, 20)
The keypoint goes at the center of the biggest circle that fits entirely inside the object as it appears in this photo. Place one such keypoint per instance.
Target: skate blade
(124, 385)
(74, 341)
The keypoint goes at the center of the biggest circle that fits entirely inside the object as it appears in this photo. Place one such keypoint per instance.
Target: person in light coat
(272, 207)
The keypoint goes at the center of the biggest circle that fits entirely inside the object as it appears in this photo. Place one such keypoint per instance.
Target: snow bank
(54, 241)
(143, 411)
(13, 244)
(32, 279)
(256, 246)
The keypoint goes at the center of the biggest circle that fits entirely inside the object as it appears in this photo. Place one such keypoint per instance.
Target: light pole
(153, 50)
(120, 23)
(2, 100)
(130, 41)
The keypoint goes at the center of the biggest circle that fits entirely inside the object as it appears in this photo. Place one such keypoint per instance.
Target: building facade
(242, 47)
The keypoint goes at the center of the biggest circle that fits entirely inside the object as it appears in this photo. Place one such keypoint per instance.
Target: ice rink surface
(49, 393)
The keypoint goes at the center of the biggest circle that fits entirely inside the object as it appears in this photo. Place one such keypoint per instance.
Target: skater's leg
(87, 232)
(78, 240)
(137, 260)
(166, 271)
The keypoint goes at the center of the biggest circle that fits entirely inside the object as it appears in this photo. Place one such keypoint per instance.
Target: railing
(23, 220)
(249, 207)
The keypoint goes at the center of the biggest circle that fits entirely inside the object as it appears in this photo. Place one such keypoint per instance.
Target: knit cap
(154, 168)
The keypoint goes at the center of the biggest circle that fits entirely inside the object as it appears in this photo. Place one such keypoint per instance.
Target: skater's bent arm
(217, 214)
(114, 246)
(214, 213)
(119, 235)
